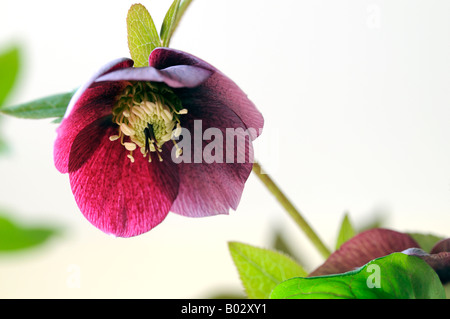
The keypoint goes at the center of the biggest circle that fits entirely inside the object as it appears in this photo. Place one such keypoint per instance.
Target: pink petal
(212, 188)
(119, 197)
(91, 102)
(96, 102)
(218, 86)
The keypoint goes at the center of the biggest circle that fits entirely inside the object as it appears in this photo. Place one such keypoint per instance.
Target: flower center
(148, 115)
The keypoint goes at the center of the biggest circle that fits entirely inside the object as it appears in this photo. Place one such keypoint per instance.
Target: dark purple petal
(213, 181)
(218, 87)
(119, 197)
(96, 103)
(440, 262)
(441, 246)
(363, 248)
(180, 76)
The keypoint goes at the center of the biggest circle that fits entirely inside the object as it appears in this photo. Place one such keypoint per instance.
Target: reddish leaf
(441, 246)
(363, 248)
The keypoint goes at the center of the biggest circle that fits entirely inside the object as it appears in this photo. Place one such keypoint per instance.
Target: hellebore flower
(119, 135)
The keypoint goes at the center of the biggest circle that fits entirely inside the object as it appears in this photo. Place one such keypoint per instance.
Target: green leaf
(143, 37)
(262, 269)
(48, 107)
(168, 26)
(346, 232)
(181, 11)
(9, 69)
(14, 237)
(395, 276)
(172, 20)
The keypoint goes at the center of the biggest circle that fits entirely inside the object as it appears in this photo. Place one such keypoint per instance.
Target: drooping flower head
(120, 142)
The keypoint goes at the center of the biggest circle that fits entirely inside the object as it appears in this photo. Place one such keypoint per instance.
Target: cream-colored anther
(114, 138)
(166, 137)
(177, 131)
(168, 116)
(164, 117)
(179, 152)
(158, 110)
(127, 130)
(130, 146)
(149, 107)
(183, 111)
(138, 111)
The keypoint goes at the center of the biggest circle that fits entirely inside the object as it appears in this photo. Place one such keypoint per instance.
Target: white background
(356, 100)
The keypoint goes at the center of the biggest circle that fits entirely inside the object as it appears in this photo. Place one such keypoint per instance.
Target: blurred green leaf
(280, 244)
(396, 276)
(9, 69)
(143, 37)
(15, 237)
(261, 269)
(168, 26)
(377, 218)
(48, 107)
(346, 232)
(3, 145)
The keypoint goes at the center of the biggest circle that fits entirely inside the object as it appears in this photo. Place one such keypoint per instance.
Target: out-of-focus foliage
(9, 69)
(14, 236)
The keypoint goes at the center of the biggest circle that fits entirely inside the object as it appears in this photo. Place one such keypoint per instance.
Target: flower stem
(291, 210)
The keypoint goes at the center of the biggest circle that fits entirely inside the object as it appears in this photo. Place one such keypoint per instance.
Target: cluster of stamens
(148, 115)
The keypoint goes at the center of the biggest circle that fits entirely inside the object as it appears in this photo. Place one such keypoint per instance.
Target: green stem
(291, 210)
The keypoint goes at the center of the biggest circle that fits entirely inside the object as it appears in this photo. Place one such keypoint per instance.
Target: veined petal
(96, 103)
(90, 103)
(119, 197)
(179, 76)
(214, 184)
(218, 86)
